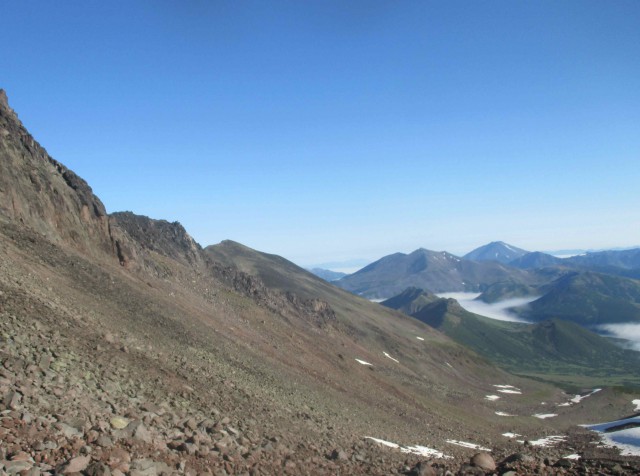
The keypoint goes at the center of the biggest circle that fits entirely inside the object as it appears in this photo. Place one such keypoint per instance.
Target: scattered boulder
(118, 423)
(423, 468)
(484, 461)
(339, 455)
(75, 465)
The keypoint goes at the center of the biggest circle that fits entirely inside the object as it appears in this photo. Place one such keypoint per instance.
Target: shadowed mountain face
(141, 340)
(550, 350)
(589, 299)
(536, 259)
(436, 271)
(495, 251)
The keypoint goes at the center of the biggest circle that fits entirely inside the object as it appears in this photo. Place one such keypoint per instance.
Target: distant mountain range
(436, 271)
(327, 274)
(551, 349)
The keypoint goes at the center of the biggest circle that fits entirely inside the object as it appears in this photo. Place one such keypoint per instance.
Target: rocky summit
(128, 349)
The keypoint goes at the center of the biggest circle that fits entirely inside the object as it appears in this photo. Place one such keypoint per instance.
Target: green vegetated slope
(507, 290)
(554, 350)
(589, 299)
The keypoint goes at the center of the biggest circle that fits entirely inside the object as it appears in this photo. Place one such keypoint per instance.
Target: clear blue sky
(327, 130)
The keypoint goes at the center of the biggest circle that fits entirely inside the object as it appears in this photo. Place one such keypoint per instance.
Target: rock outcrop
(43, 194)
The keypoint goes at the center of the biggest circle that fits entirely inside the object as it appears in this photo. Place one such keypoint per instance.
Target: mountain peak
(496, 251)
(4, 101)
(5, 109)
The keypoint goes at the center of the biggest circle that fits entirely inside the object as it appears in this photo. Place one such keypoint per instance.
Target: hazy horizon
(327, 131)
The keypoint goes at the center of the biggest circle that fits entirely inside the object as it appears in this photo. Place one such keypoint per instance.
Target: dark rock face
(134, 236)
(43, 194)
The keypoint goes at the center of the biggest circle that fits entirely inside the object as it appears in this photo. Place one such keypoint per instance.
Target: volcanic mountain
(496, 251)
(128, 348)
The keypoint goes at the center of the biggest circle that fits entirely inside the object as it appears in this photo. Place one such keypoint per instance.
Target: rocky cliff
(43, 194)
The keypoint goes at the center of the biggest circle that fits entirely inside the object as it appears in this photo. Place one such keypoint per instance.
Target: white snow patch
(574, 456)
(466, 444)
(424, 451)
(568, 404)
(416, 450)
(578, 398)
(492, 398)
(449, 364)
(547, 441)
(637, 404)
(543, 416)
(627, 440)
(507, 386)
(363, 362)
(419, 338)
(387, 355)
(507, 390)
(510, 435)
(383, 442)
(504, 414)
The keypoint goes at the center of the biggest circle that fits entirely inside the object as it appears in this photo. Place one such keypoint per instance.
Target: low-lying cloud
(629, 332)
(498, 310)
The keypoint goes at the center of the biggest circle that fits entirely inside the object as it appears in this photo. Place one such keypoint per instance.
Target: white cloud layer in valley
(629, 332)
(499, 310)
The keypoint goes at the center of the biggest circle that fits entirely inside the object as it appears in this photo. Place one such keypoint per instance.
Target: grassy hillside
(554, 350)
(589, 299)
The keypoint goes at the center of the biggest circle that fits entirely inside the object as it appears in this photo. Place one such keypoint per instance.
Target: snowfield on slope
(416, 449)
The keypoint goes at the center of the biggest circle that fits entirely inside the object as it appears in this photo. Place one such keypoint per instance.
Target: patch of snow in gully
(466, 444)
(579, 398)
(544, 416)
(363, 362)
(417, 449)
(387, 355)
(547, 441)
(626, 439)
(383, 442)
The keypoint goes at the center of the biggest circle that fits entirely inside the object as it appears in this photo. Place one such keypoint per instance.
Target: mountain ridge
(436, 271)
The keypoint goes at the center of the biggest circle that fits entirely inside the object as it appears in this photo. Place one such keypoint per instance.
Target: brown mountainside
(127, 348)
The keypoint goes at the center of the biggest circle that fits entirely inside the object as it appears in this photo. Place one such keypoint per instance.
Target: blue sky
(329, 130)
